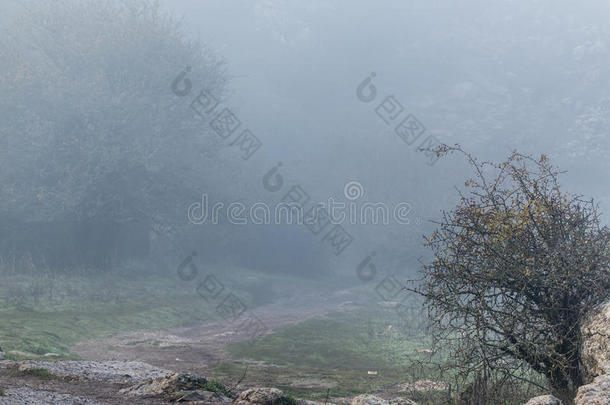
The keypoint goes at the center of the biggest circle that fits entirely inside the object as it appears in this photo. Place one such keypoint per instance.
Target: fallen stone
(544, 400)
(23, 395)
(260, 396)
(170, 386)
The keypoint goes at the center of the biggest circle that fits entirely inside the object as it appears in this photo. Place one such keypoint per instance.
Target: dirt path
(195, 349)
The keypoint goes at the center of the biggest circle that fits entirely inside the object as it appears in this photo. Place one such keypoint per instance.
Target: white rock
(260, 396)
(113, 371)
(595, 350)
(596, 393)
(544, 400)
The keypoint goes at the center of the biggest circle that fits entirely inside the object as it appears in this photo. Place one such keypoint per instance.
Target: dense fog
(267, 140)
(96, 134)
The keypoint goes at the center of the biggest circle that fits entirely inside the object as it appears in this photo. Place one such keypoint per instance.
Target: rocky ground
(71, 382)
(130, 382)
(123, 370)
(118, 370)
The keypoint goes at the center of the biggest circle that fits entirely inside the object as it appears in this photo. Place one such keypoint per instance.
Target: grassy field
(44, 321)
(48, 314)
(334, 355)
(369, 347)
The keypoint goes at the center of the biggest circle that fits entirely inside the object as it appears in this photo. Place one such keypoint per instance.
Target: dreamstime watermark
(228, 305)
(288, 212)
(323, 220)
(224, 122)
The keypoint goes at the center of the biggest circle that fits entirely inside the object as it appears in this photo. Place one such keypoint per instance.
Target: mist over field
(396, 202)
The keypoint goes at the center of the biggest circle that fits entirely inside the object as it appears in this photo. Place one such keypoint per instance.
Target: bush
(517, 264)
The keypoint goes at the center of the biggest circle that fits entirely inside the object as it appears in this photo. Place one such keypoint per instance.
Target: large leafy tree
(517, 264)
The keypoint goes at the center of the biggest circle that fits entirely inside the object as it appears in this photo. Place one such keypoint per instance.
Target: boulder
(596, 393)
(595, 349)
(170, 386)
(260, 396)
(110, 371)
(544, 400)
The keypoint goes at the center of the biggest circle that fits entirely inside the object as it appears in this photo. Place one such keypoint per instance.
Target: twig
(240, 380)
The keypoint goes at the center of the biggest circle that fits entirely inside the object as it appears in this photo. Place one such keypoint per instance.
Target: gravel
(27, 396)
(109, 371)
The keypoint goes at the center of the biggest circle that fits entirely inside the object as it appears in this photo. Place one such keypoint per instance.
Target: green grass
(47, 313)
(218, 387)
(338, 349)
(336, 352)
(328, 355)
(342, 340)
(44, 314)
(54, 327)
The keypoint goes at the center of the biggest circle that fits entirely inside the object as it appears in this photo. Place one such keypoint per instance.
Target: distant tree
(517, 264)
(89, 124)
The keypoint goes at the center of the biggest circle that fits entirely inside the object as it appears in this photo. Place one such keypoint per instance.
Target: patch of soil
(196, 349)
